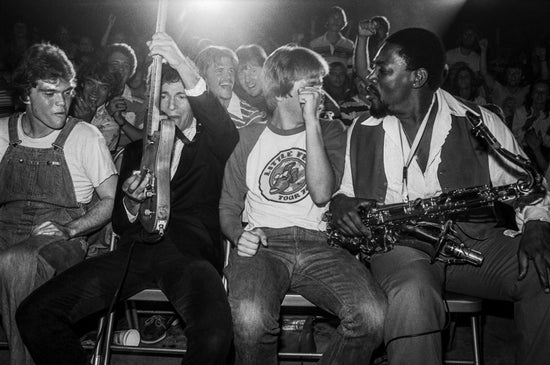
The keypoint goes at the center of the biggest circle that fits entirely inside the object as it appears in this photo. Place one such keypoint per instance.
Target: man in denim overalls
(51, 167)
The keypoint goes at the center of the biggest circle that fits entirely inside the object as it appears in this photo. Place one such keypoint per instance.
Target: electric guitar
(158, 141)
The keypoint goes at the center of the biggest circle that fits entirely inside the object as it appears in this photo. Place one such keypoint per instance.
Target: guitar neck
(155, 72)
(153, 111)
(158, 141)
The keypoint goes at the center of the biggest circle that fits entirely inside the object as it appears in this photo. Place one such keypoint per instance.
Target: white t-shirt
(277, 191)
(86, 153)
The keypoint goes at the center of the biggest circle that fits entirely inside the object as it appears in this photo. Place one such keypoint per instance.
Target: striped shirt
(243, 114)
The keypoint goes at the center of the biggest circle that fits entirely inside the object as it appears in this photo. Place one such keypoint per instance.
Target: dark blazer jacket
(195, 188)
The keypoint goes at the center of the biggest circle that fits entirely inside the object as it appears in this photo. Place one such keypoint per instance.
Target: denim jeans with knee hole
(299, 260)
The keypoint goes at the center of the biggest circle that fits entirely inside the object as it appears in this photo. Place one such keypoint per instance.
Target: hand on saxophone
(345, 215)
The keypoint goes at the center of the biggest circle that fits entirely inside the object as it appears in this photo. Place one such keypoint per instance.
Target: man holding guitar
(186, 262)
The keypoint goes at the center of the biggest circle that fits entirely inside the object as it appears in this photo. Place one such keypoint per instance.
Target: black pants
(192, 285)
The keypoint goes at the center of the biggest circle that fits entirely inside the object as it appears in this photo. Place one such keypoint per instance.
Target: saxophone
(429, 222)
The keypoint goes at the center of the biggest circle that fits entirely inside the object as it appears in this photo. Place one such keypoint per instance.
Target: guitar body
(154, 212)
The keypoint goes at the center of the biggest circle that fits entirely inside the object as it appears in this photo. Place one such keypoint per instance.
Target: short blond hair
(285, 66)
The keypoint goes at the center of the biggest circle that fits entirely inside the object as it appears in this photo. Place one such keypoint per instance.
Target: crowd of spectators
(513, 81)
(112, 73)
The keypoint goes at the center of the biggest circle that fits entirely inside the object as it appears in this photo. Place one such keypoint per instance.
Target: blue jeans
(299, 260)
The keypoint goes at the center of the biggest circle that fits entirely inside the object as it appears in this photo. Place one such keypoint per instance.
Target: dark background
(507, 23)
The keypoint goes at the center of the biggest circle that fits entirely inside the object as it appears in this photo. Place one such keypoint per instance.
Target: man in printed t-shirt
(279, 179)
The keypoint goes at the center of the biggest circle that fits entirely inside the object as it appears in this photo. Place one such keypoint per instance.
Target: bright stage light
(209, 5)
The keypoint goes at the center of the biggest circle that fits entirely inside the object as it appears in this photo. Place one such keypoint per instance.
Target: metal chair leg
(108, 339)
(476, 340)
(96, 359)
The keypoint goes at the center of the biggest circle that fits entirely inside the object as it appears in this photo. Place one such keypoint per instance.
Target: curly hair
(126, 50)
(100, 71)
(41, 61)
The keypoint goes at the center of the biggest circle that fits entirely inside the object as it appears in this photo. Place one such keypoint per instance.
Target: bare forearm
(100, 213)
(105, 37)
(231, 226)
(94, 219)
(319, 175)
(130, 130)
(361, 57)
(188, 75)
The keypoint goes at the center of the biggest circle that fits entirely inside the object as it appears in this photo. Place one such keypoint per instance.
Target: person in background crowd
(513, 86)
(127, 110)
(97, 85)
(381, 31)
(85, 53)
(338, 85)
(249, 84)
(357, 105)
(531, 124)
(332, 45)
(63, 38)
(138, 82)
(370, 37)
(465, 52)
(218, 65)
(465, 85)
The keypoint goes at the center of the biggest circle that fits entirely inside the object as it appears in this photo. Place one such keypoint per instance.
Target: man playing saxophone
(417, 143)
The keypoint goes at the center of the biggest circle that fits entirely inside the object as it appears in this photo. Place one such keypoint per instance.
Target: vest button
(21, 160)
